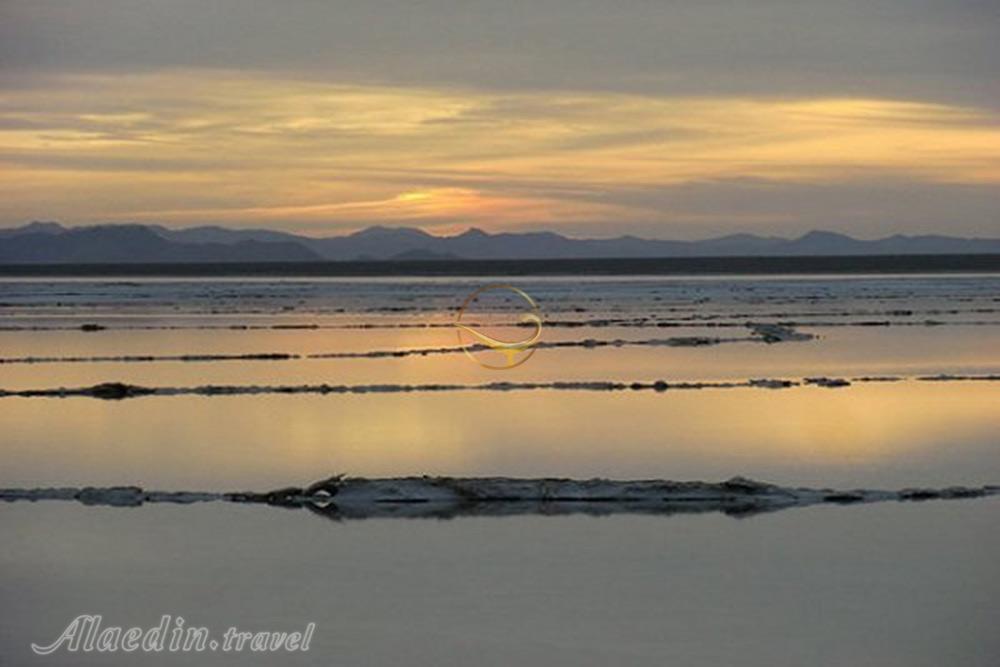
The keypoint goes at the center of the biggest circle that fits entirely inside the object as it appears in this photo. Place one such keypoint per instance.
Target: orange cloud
(222, 146)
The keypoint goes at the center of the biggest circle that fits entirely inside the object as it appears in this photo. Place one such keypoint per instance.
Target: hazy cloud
(914, 49)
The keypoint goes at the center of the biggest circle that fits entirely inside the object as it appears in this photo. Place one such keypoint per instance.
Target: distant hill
(131, 244)
(49, 243)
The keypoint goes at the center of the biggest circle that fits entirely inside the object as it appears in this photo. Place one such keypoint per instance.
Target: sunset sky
(656, 118)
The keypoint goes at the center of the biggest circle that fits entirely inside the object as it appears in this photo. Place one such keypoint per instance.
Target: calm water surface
(885, 585)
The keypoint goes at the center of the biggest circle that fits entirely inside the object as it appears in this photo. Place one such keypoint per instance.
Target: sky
(657, 118)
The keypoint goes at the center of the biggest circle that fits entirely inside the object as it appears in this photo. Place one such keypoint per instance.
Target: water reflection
(836, 351)
(824, 586)
(894, 434)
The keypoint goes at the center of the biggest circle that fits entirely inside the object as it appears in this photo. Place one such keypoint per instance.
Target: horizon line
(473, 229)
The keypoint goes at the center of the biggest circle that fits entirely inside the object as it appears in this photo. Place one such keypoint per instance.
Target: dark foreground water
(905, 585)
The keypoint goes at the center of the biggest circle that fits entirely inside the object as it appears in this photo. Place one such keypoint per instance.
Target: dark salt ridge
(342, 497)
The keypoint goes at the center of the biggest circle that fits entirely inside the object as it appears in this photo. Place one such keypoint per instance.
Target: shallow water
(889, 434)
(884, 585)
(883, 435)
(892, 585)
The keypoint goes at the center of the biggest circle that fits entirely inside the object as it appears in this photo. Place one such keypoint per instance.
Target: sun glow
(414, 196)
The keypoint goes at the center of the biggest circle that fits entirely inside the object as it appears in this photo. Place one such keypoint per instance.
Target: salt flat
(264, 386)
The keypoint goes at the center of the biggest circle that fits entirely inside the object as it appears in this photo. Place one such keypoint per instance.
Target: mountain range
(52, 243)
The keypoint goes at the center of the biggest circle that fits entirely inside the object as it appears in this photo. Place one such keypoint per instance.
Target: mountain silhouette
(120, 244)
(50, 242)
